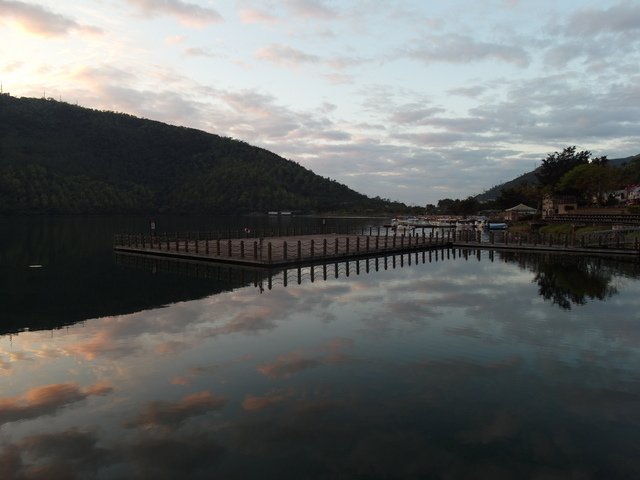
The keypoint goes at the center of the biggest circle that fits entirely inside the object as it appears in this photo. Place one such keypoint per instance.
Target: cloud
(187, 13)
(253, 15)
(46, 400)
(200, 52)
(456, 48)
(172, 414)
(316, 9)
(285, 56)
(414, 114)
(41, 21)
(623, 17)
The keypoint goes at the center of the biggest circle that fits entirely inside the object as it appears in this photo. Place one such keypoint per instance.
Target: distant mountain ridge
(62, 158)
(530, 178)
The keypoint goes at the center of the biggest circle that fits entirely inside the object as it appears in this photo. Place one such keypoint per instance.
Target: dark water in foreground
(460, 364)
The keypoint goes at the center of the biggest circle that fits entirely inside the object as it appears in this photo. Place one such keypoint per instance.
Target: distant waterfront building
(558, 205)
(516, 213)
(633, 194)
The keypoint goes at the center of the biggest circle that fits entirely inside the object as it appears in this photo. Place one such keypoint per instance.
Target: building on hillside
(558, 205)
(516, 213)
(633, 194)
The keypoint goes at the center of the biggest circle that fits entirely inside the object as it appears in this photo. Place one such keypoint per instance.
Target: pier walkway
(278, 251)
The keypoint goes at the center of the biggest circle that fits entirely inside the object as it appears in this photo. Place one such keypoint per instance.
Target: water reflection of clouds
(47, 400)
(509, 391)
(172, 414)
(334, 352)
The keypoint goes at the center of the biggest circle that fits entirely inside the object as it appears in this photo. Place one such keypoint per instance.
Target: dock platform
(277, 251)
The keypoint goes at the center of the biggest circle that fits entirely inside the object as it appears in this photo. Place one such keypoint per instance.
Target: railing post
(241, 248)
(336, 247)
(299, 249)
(347, 247)
(269, 253)
(357, 244)
(229, 248)
(255, 250)
(284, 250)
(367, 242)
(324, 247)
(311, 248)
(218, 247)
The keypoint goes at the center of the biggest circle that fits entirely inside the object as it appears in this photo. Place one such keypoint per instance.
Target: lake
(450, 364)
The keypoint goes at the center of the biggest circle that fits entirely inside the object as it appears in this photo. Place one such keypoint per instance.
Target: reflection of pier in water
(239, 276)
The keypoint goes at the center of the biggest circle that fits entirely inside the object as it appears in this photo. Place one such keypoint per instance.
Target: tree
(557, 164)
(590, 181)
(523, 193)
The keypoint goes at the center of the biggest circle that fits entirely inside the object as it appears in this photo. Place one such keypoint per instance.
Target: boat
(497, 226)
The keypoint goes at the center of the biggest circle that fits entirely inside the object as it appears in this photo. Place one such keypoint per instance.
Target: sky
(408, 100)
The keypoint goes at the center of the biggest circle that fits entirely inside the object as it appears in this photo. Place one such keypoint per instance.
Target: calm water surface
(458, 364)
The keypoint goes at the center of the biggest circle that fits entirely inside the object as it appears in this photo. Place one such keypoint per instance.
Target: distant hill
(61, 158)
(530, 178)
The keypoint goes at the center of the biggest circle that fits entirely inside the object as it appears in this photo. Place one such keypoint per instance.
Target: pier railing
(277, 250)
(622, 239)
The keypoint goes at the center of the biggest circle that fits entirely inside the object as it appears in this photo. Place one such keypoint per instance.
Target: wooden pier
(278, 251)
(307, 249)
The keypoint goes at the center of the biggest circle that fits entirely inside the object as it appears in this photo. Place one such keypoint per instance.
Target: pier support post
(218, 247)
(269, 255)
(241, 248)
(324, 248)
(255, 250)
(312, 248)
(347, 245)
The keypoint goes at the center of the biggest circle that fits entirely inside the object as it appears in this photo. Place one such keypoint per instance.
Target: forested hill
(531, 179)
(61, 158)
